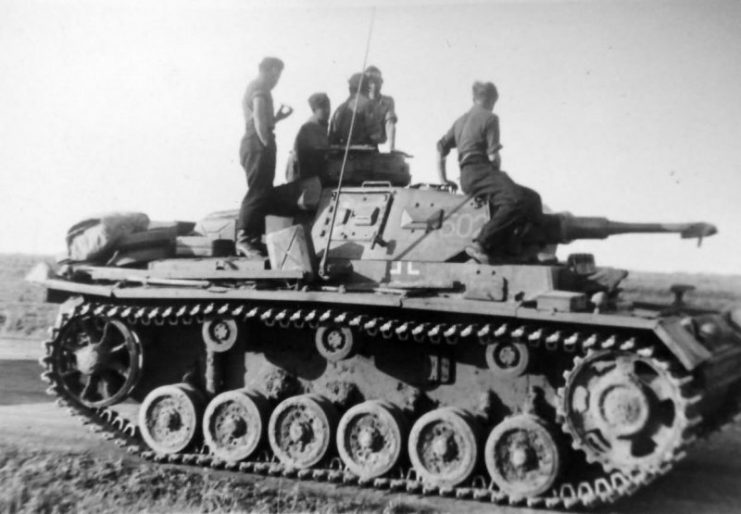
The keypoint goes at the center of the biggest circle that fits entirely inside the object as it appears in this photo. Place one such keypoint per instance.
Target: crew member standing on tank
(367, 130)
(384, 105)
(476, 136)
(309, 155)
(257, 155)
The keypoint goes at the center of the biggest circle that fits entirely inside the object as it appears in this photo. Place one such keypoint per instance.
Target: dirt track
(709, 480)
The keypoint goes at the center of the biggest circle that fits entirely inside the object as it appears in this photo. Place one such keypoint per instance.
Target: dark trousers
(258, 162)
(512, 206)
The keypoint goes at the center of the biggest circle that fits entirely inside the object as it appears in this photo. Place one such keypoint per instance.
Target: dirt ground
(709, 480)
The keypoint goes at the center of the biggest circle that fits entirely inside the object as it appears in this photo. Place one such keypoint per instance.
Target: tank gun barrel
(571, 228)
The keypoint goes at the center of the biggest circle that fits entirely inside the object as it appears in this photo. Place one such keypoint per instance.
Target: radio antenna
(323, 267)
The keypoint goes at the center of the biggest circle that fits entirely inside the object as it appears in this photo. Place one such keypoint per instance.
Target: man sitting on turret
(476, 136)
(367, 129)
(309, 155)
(384, 105)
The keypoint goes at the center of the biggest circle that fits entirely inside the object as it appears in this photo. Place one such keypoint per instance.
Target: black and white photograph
(370, 256)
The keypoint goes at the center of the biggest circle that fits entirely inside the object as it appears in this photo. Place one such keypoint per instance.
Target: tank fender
(681, 343)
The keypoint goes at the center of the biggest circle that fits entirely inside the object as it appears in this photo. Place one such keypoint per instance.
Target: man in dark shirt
(309, 154)
(367, 129)
(257, 155)
(384, 104)
(476, 136)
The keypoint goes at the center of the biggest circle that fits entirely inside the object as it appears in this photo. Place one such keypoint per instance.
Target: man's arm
(446, 143)
(262, 117)
(390, 122)
(333, 135)
(441, 167)
(492, 142)
(391, 135)
(301, 142)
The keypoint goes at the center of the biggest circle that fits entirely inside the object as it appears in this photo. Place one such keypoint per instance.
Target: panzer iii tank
(369, 351)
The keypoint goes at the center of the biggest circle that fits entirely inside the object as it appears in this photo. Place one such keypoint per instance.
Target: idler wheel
(444, 446)
(219, 334)
(335, 343)
(169, 418)
(97, 361)
(234, 424)
(370, 438)
(522, 456)
(301, 430)
(623, 410)
(507, 360)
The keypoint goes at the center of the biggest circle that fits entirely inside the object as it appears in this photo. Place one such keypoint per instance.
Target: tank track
(596, 486)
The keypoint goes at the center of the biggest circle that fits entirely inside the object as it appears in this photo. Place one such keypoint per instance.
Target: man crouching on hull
(476, 136)
(257, 156)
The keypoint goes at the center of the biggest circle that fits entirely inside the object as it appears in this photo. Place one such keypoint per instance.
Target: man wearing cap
(257, 155)
(384, 105)
(309, 154)
(476, 136)
(367, 129)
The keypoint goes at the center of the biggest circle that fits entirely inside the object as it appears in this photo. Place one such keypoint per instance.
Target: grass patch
(712, 291)
(32, 481)
(22, 308)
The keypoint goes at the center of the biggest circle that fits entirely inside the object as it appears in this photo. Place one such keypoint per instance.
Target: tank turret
(382, 222)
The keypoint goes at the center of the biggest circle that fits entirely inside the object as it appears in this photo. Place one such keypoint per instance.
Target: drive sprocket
(625, 411)
(97, 361)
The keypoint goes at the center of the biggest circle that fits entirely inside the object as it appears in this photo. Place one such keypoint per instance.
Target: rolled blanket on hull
(95, 238)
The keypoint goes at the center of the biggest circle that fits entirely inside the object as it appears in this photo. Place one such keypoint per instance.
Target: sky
(624, 109)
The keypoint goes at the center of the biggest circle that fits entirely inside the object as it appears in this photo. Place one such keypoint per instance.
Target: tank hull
(420, 355)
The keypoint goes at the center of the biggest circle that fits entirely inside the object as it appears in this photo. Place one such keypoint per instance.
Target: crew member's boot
(248, 247)
(477, 252)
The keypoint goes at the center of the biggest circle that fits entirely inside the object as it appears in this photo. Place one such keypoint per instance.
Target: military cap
(373, 70)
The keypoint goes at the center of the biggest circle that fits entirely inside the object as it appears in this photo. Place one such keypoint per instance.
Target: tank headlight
(734, 317)
(708, 328)
(709, 331)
